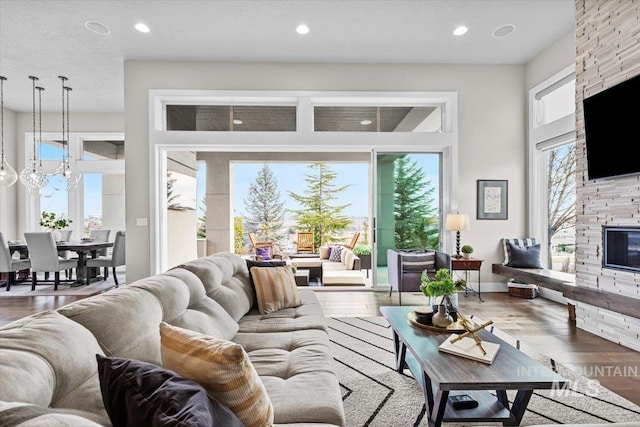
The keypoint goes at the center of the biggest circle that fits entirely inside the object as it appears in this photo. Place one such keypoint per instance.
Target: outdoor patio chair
(354, 241)
(305, 242)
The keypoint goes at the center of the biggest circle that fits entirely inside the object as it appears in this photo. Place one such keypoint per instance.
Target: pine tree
(416, 224)
(202, 220)
(265, 210)
(238, 235)
(317, 213)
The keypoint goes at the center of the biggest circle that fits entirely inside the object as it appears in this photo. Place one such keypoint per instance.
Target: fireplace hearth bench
(565, 283)
(49, 359)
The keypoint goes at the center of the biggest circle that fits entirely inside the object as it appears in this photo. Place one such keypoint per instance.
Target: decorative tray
(456, 327)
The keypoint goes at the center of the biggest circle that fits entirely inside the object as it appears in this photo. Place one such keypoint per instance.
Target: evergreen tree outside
(318, 214)
(202, 221)
(238, 235)
(416, 218)
(265, 210)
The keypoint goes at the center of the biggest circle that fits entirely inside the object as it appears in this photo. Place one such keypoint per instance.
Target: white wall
(491, 116)
(552, 60)
(9, 207)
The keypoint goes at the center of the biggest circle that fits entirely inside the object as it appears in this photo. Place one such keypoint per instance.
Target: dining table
(84, 249)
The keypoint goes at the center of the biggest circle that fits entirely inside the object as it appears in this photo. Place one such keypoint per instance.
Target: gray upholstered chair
(44, 257)
(404, 268)
(116, 259)
(8, 264)
(101, 236)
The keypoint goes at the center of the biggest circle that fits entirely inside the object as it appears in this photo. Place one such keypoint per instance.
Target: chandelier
(72, 178)
(8, 175)
(33, 176)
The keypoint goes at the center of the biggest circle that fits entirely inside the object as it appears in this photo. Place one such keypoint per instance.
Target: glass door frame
(448, 171)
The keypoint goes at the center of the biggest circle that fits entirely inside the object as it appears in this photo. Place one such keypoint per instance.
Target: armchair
(405, 268)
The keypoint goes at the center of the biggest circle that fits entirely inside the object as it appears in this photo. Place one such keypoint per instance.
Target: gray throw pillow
(524, 256)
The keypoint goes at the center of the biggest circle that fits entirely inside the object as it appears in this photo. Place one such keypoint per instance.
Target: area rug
(374, 394)
(24, 289)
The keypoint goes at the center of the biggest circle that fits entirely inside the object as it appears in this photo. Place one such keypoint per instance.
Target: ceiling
(48, 38)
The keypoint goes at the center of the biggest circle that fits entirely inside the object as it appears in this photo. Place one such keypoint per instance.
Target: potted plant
(442, 286)
(364, 253)
(466, 250)
(50, 221)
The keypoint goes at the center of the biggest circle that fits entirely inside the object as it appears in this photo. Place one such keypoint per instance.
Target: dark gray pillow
(137, 393)
(524, 256)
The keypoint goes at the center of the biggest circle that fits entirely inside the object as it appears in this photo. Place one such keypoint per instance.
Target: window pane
(377, 119)
(103, 150)
(556, 104)
(227, 118)
(55, 197)
(49, 150)
(561, 207)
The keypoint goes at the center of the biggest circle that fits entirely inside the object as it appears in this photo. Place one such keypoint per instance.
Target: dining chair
(44, 257)
(101, 236)
(10, 265)
(116, 259)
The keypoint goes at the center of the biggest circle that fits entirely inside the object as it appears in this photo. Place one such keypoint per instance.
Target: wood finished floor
(541, 323)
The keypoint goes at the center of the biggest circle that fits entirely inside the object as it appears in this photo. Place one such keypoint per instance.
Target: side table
(302, 277)
(467, 265)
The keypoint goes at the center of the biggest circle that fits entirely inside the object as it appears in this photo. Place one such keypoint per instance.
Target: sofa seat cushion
(298, 372)
(308, 315)
(49, 360)
(329, 265)
(307, 262)
(342, 277)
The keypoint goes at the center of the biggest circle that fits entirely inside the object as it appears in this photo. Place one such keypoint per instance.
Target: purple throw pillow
(264, 253)
(330, 249)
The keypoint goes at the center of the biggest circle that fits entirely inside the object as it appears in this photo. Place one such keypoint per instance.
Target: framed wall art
(492, 198)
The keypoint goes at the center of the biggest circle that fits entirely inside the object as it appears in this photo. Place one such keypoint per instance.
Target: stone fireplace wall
(607, 53)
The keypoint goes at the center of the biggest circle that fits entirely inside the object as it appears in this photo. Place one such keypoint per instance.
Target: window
(232, 118)
(377, 119)
(552, 169)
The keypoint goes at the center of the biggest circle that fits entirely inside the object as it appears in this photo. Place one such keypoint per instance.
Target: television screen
(612, 129)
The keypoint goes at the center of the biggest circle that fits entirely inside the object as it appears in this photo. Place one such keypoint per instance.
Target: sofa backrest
(225, 277)
(48, 360)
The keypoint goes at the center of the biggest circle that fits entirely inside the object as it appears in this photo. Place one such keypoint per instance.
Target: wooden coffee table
(440, 374)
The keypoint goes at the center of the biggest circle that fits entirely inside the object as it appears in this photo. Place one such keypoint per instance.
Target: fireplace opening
(621, 247)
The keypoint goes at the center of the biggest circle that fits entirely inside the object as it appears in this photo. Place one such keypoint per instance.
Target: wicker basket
(523, 290)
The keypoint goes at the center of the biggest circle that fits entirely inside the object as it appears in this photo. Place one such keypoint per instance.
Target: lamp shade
(457, 222)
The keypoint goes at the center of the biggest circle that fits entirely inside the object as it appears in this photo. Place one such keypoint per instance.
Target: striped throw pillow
(418, 262)
(222, 367)
(275, 288)
(516, 242)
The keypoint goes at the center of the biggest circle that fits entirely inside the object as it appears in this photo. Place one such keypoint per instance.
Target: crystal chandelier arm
(40, 89)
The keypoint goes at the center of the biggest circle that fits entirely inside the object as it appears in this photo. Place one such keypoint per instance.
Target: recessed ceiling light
(365, 122)
(142, 27)
(237, 121)
(503, 30)
(460, 30)
(302, 29)
(97, 28)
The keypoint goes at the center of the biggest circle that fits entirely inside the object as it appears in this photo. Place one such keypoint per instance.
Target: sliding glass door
(406, 205)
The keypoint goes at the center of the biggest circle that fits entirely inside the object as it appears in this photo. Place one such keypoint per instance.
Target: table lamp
(457, 222)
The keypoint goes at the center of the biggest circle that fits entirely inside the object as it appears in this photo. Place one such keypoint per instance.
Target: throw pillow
(334, 256)
(222, 367)
(264, 253)
(272, 263)
(275, 288)
(138, 393)
(418, 262)
(517, 242)
(524, 256)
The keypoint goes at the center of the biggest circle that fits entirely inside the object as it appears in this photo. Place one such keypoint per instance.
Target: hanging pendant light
(33, 176)
(72, 178)
(8, 175)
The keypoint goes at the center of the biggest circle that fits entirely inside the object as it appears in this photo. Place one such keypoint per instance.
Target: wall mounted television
(612, 129)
